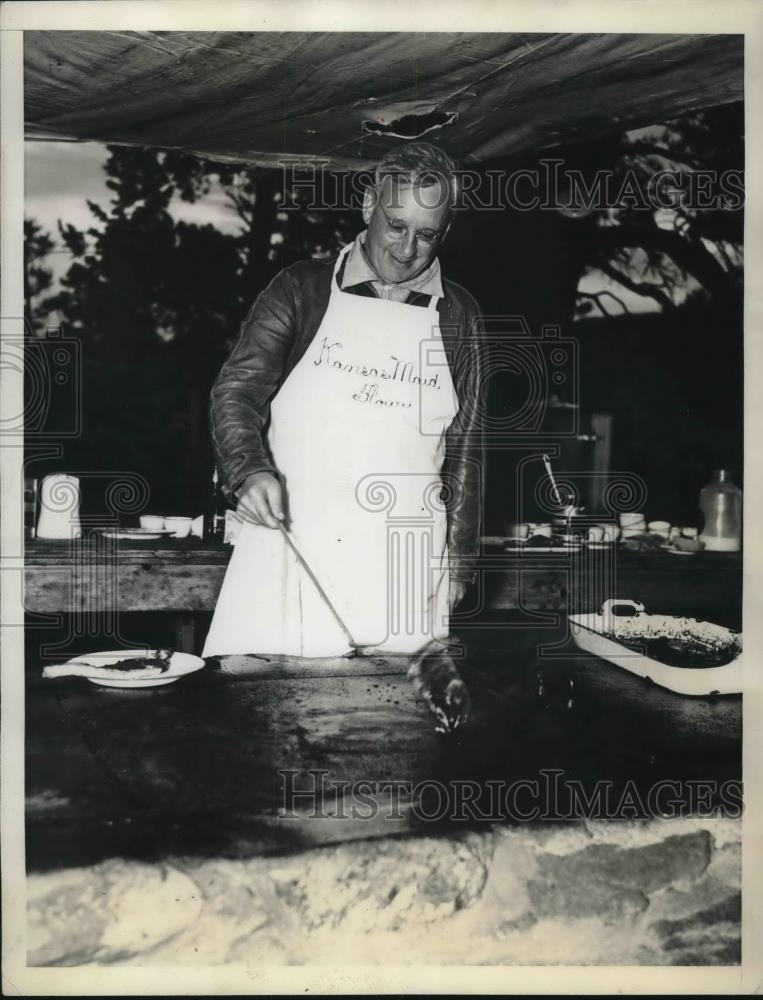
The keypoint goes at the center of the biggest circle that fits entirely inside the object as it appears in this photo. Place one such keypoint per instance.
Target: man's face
(406, 225)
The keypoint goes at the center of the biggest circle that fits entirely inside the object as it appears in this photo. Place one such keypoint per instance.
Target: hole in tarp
(410, 126)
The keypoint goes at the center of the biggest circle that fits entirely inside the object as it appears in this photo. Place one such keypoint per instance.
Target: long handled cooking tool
(316, 582)
(432, 671)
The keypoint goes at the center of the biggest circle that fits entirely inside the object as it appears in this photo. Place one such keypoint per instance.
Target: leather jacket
(277, 331)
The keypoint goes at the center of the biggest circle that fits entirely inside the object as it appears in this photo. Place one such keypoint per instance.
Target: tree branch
(644, 288)
(640, 147)
(691, 257)
(241, 205)
(597, 297)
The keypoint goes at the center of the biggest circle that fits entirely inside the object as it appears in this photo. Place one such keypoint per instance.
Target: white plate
(532, 549)
(180, 665)
(137, 534)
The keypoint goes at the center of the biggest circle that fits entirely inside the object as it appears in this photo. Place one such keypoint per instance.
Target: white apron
(357, 433)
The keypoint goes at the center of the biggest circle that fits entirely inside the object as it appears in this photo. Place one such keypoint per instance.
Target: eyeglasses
(399, 231)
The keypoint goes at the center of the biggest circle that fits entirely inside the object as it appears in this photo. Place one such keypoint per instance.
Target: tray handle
(615, 602)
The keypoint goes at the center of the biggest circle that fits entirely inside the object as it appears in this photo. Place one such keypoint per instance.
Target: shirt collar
(357, 269)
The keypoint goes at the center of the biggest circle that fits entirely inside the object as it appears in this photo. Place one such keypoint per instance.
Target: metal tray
(592, 633)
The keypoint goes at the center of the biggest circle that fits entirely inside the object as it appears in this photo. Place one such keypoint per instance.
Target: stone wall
(658, 893)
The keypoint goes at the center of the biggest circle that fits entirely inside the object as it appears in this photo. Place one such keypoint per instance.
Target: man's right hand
(261, 500)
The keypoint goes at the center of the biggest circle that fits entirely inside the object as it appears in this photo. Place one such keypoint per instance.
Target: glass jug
(721, 505)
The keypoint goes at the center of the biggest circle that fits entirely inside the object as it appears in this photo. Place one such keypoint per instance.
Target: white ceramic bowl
(518, 531)
(633, 532)
(179, 526)
(541, 529)
(152, 522)
(631, 519)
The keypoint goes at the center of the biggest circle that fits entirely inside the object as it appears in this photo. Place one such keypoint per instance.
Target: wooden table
(203, 767)
(97, 578)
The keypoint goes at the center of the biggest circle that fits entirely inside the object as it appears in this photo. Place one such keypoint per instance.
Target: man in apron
(349, 411)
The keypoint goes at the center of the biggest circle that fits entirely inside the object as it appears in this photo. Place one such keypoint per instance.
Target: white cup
(632, 519)
(633, 531)
(571, 540)
(59, 507)
(179, 526)
(610, 532)
(596, 533)
(660, 528)
(541, 529)
(233, 525)
(153, 522)
(519, 531)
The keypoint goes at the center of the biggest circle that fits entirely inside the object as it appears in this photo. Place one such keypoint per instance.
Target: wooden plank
(147, 586)
(185, 633)
(697, 585)
(707, 585)
(601, 426)
(509, 96)
(191, 552)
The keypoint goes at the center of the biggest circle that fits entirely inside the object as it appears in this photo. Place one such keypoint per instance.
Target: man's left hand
(457, 591)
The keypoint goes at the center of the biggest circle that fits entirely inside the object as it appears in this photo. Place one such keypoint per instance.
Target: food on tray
(132, 667)
(677, 642)
(682, 652)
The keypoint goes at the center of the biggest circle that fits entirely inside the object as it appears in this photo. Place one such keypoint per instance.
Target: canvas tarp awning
(345, 98)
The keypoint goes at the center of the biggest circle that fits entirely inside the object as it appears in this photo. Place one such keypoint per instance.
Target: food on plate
(539, 542)
(131, 667)
(660, 528)
(646, 542)
(688, 544)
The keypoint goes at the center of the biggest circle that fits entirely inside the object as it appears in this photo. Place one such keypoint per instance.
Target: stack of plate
(632, 523)
(135, 534)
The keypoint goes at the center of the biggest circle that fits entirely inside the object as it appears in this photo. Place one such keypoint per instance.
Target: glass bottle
(720, 503)
(214, 516)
